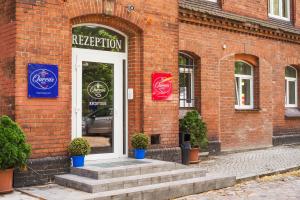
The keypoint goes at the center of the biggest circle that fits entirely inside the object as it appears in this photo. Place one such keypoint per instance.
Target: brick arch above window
(130, 29)
(251, 59)
(76, 9)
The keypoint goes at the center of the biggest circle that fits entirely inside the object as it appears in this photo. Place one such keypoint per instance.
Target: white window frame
(287, 92)
(241, 78)
(185, 104)
(280, 16)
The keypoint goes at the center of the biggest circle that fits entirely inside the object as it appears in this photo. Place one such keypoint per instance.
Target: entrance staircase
(128, 179)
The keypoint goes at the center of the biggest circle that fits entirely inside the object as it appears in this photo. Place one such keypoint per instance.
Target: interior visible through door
(98, 105)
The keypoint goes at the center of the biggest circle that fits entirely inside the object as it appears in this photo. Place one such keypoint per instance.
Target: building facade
(236, 62)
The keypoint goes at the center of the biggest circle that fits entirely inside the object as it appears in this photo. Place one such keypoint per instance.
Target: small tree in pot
(140, 143)
(193, 124)
(14, 152)
(78, 149)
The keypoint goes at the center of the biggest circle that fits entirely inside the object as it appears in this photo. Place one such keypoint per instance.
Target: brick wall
(44, 36)
(237, 130)
(7, 57)
(254, 8)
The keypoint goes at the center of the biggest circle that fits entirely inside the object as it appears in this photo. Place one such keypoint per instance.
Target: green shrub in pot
(193, 124)
(14, 151)
(78, 149)
(140, 143)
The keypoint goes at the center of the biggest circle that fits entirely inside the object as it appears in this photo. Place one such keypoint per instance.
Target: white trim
(79, 55)
(287, 92)
(240, 79)
(191, 71)
(185, 104)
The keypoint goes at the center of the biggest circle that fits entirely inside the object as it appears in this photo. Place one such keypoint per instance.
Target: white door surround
(119, 62)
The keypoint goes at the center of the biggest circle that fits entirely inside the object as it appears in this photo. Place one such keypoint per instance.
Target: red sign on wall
(161, 86)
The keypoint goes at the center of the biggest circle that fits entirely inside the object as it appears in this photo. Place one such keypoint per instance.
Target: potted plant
(194, 125)
(140, 143)
(78, 149)
(14, 152)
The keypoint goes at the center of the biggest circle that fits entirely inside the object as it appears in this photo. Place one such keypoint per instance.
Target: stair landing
(130, 179)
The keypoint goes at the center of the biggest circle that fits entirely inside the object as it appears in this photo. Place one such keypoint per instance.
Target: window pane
(182, 60)
(276, 7)
(242, 68)
(185, 84)
(285, 8)
(185, 60)
(237, 90)
(246, 92)
(290, 72)
(292, 92)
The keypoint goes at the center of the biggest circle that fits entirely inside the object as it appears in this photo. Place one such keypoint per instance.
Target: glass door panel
(98, 106)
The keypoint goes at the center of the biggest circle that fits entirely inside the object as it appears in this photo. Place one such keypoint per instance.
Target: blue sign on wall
(42, 81)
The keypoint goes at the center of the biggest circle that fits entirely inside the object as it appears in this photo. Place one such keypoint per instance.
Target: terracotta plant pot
(194, 155)
(6, 183)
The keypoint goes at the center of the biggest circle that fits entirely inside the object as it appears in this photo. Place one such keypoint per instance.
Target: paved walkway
(244, 165)
(16, 196)
(286, 187)
(250, 164)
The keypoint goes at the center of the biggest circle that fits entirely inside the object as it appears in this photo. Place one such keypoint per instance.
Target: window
(279, 9)
(291, 99)
(243, 85)
(186, 80)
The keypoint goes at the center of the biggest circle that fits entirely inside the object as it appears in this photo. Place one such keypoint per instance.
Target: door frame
(117, 56)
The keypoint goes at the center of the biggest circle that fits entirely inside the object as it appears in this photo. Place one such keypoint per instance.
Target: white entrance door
(98, 101)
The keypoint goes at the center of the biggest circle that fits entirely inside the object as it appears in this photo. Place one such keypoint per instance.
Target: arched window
(291, 99)
(186, 80)
(243, 73)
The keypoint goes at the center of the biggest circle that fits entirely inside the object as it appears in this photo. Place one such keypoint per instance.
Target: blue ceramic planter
(77, 161)
(139, 153)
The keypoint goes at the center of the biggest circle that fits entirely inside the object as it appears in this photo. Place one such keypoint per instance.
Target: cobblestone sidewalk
(250, 164)
(286, 187)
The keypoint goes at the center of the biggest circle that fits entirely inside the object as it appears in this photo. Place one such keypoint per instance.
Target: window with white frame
(186, 80)
(291, 99)
(243, 85)
(279, 9)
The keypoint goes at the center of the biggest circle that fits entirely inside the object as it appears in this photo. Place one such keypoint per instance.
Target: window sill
(279, 18)
(187, 108)
(254, 110)
(292, 113)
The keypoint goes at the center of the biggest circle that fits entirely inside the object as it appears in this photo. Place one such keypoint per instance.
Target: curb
(281, 171)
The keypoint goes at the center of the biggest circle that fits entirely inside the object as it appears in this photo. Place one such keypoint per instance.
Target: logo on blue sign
(42, 81)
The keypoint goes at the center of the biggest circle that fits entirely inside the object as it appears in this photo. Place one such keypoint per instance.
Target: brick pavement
(279, 188)
(250, 164)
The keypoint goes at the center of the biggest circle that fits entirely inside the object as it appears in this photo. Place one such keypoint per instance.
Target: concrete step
(93, 185)
(167, 190)
(131, 167)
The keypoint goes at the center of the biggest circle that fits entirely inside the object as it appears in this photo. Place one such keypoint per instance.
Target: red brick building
(236, 62)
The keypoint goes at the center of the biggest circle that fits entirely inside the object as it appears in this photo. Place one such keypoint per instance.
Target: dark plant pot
(6, 181)
(194, 155)
(139, 153)
(77, 161)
